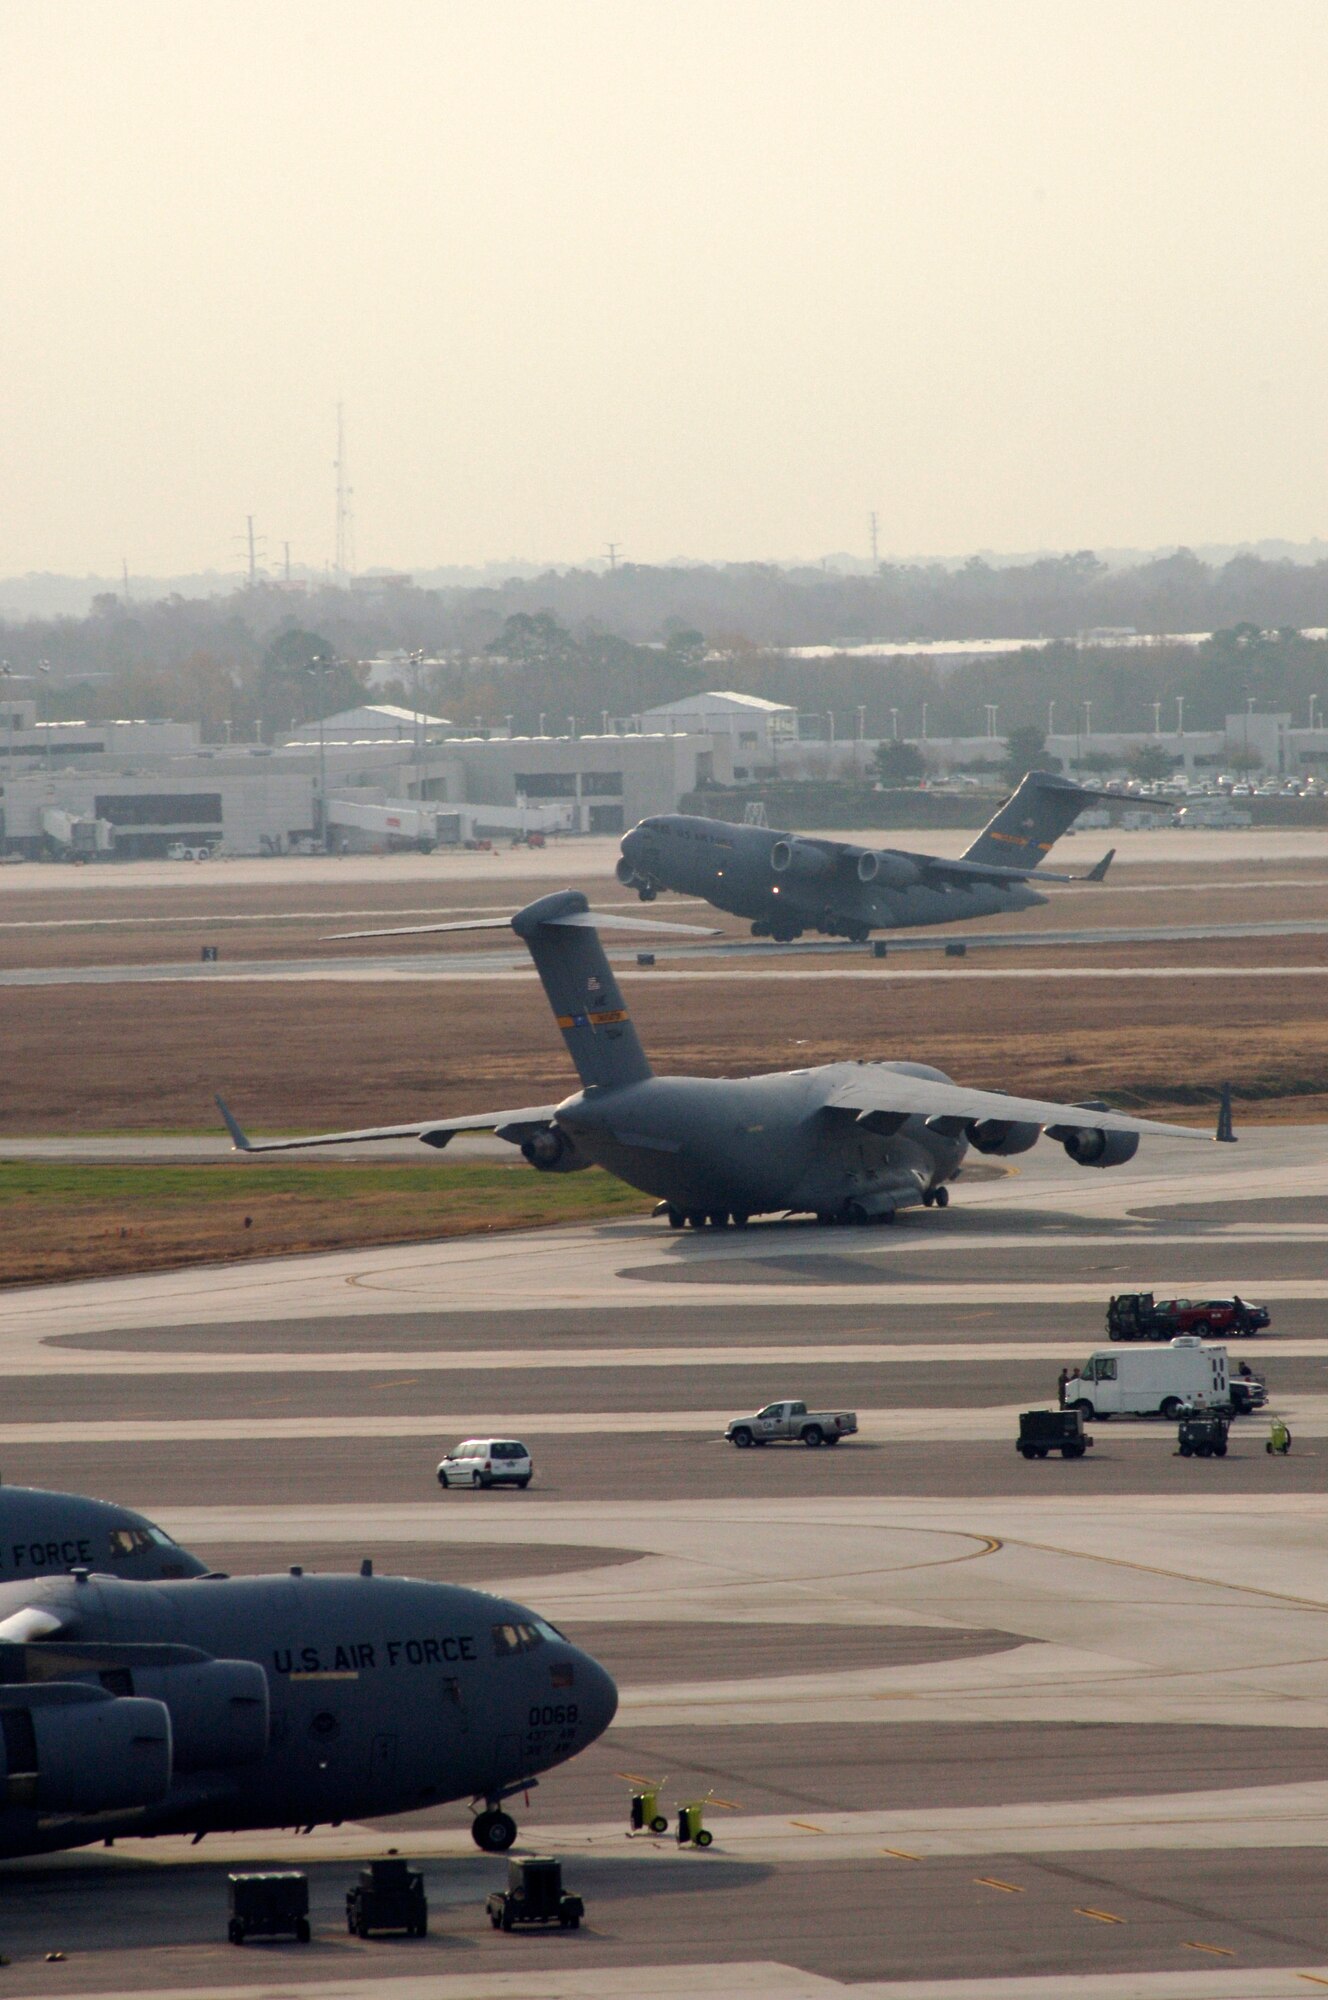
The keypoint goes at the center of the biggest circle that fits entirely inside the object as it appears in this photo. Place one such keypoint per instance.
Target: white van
(486, 1462)
(1139, 1381)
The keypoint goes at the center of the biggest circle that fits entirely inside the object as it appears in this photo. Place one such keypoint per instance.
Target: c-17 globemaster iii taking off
(788, 883)
(848, 1141)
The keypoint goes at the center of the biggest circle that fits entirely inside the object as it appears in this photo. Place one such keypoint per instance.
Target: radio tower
(345, 556)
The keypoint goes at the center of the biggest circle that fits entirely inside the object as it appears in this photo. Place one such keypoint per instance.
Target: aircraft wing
(879, 1094)
(432, 1131)
(586, 920)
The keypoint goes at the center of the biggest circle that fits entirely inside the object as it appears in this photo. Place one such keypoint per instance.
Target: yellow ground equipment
(1279, 1438)
(644, 1815)
(692, 1830)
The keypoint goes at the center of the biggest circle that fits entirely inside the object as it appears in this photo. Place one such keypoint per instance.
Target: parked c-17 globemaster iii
(849, 1141)
(225, 1703)
(788, 883)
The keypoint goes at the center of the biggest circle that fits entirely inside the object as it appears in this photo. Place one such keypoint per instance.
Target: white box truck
(1143, 1381)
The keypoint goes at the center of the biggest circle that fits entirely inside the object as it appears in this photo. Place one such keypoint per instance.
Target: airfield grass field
(75, 1221)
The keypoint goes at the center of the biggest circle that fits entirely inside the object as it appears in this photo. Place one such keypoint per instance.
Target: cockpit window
(126, 1542)
(522, 1638)
(161, 1538)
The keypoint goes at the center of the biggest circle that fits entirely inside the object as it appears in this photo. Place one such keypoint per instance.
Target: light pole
(992, 712)
(830, 717)
(571, 727)
(1180, 715)
(894, 725)
(319, 664)
(604, 722)
(1088, 722)
(540, 730)
(1314, 703)
(1157, 718)
(1051, 718)
(924, 721)
(416, 662)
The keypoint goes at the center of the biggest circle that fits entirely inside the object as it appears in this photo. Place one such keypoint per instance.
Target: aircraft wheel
(696, 1218)
(719, 1218)
(676, 1218)
(235, 1931)
(1169, 1407)
(493, 1831)
(941, 1197)
(302, 1932)
(740, 1220)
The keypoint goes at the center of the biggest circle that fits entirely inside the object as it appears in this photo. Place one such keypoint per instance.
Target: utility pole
(416, 662)
(1157, 718)
(286, 549)
(876, 562)
(612, 550)
(124, 573)
(250, 549)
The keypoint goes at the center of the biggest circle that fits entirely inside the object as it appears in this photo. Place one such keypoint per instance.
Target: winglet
(239, 1139)
(1225, 1135)
(1099, 874)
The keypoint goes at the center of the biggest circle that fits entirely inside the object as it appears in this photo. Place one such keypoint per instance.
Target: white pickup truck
(793, 1423)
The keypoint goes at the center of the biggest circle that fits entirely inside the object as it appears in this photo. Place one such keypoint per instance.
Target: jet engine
(551, 1151)
(1089, 1146)
(70, 1748)
(218, 1711)
(800, 859)
(998, 1135)
(893, 871)
(626, 874)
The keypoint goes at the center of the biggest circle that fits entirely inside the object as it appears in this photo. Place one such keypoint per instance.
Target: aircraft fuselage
(756, 1145)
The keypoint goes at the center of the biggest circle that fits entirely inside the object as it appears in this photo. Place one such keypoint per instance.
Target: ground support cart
(268, 1906)
(534, 1895)
(1202, 1434)
(1041, 1431)
(389, 1896)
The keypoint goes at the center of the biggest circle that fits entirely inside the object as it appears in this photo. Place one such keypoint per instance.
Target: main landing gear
(937, 1197)
(702, 1218)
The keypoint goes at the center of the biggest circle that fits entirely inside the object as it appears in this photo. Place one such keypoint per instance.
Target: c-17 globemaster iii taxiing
(848, 1141)
(275, 1701)
(788, 883)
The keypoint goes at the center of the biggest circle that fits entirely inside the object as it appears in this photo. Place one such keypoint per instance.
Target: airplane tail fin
(560, 933)
(1032, 819)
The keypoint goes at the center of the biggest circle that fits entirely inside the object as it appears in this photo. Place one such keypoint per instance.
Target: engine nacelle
(80, 1750)
(1090, 1146)
(997, 1135)
(800, 860)
(626, 874)
(550, 1151)
(218, 1710)
(896, 871)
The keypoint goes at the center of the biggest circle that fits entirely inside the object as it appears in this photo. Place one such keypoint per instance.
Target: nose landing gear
(937, 1197)
(493, 1830)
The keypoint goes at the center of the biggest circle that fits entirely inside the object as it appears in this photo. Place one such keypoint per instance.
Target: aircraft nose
(596, 1699)
(631, 844)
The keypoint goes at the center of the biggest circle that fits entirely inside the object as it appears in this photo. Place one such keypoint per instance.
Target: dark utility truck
(1140, 1316)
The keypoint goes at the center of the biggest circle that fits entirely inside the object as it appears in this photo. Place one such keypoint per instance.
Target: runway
(989, 1729)
(744, 958)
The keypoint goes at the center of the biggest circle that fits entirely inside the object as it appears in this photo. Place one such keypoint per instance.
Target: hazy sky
(709, 277)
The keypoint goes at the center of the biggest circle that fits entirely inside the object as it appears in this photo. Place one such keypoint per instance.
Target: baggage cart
(1041, 1431)
(274, 1905)
(534, 1895)
(389, 1896)
(1202, 1434)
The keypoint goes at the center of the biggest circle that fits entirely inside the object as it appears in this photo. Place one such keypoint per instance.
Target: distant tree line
(583, 643)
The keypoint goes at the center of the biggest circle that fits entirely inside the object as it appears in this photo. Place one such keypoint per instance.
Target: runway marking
(899, 1854)
(1312, 1978)
(1217, 1950)
(1176, 1576)
(1098, 1916)
(807, 1826)
(991, 1882)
